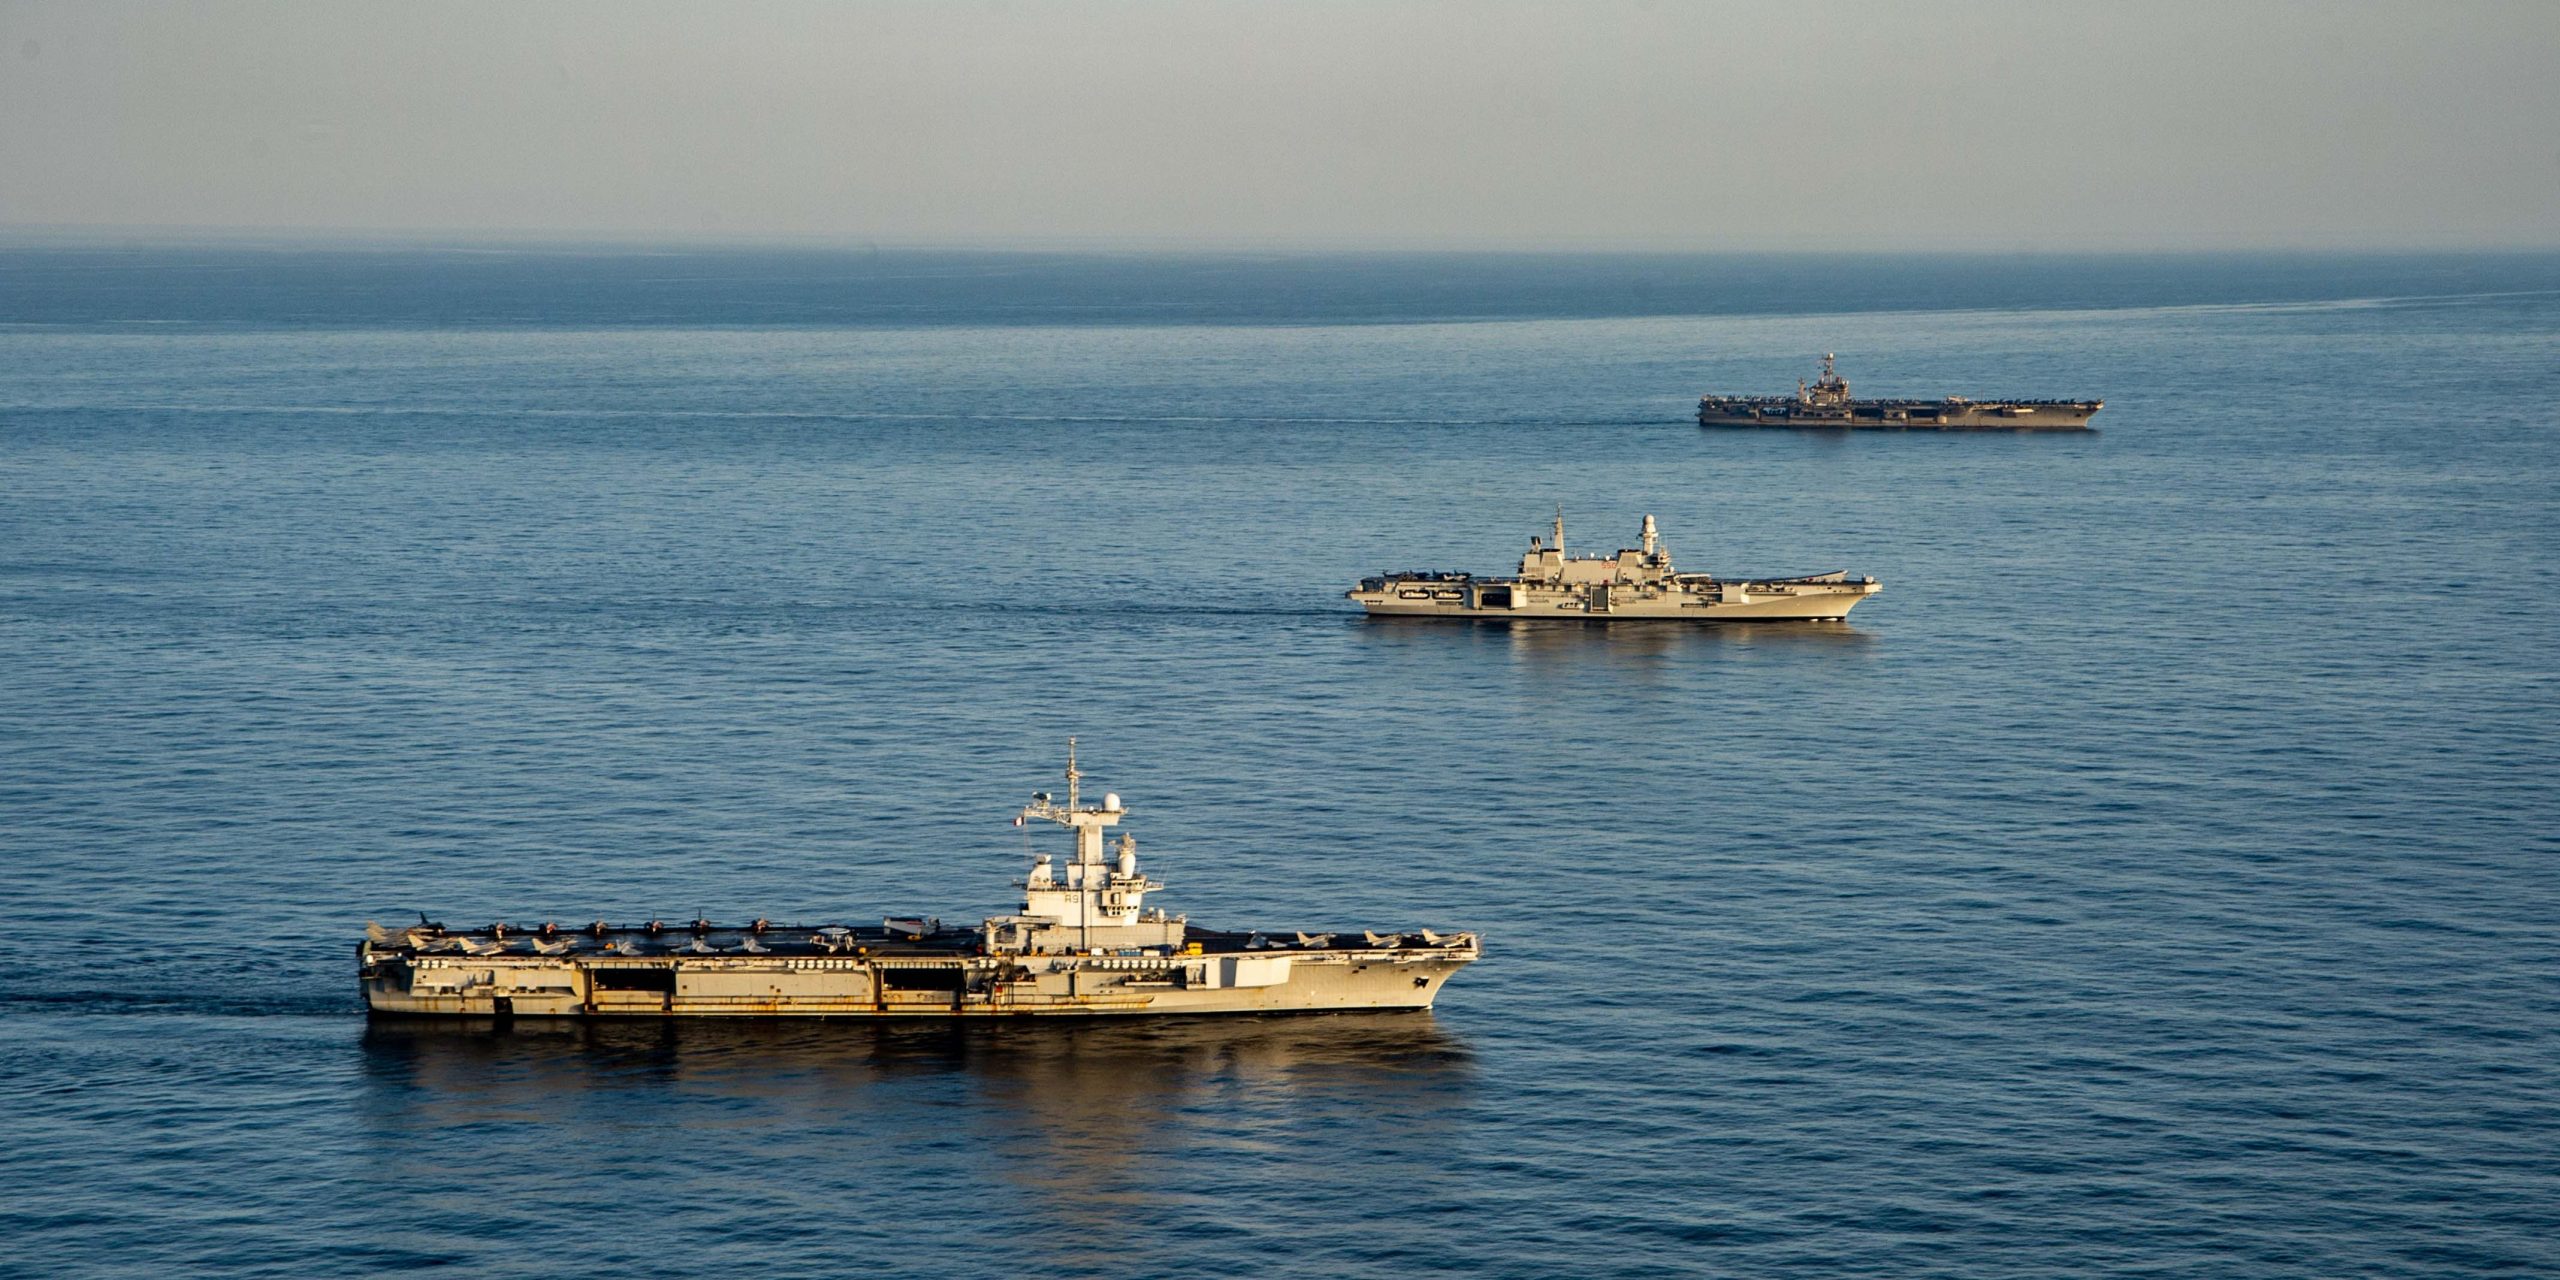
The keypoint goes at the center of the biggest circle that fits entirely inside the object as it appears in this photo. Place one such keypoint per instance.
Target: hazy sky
(1597, 123)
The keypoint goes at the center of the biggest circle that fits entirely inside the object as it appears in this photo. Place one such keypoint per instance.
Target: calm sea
(2159, 877)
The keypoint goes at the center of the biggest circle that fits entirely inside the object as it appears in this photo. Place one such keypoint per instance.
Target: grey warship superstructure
(1826, 403)
(1637, 583)
(1082, 945)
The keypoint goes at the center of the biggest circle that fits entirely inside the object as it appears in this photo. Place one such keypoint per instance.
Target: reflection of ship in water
(1573, 642)
(448, 1059)
(1544, 641)
(1085, 1119)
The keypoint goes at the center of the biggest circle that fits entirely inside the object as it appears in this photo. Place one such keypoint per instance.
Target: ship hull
(1882, 415)
(1791, 601)
(954, 988)
(1823, 609)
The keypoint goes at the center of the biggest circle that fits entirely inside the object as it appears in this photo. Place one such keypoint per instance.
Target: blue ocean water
(2157, 878)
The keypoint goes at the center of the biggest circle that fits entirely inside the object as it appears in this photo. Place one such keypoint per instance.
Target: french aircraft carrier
(1636, 583)
(1825, 403)
(1082, 944)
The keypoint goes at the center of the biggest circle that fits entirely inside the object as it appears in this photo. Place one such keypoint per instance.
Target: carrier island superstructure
(1825, 403)
(1083, 944)
(1636, 583)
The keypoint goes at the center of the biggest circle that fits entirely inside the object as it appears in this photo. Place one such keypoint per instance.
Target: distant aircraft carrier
(1826, 404)
(1636, 583)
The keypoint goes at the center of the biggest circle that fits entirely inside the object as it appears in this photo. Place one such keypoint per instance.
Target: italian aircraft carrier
(1636, 583)
(1825, 403)
(1082, 944)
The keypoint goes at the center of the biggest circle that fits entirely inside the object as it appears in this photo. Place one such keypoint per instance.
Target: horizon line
(142, 235)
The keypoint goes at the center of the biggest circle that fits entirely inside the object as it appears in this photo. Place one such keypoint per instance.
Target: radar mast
(1095, 890)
